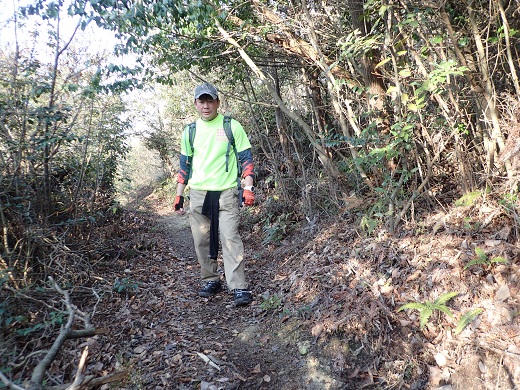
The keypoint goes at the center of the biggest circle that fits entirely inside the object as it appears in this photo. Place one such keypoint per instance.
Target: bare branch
(91, 382)
(89, 332)
(8, 383)
(39, 371)
(77, 380)
(324, 158)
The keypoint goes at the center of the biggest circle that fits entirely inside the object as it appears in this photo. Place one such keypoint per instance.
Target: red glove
(179, 203)
(249, 197)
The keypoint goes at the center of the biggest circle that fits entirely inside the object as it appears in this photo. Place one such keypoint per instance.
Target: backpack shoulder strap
(231, 143)
(192, 129)
(228, 131)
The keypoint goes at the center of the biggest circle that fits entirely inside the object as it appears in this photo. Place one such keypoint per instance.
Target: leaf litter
(337, 297)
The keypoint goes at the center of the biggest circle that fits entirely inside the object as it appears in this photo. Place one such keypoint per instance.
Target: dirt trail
(170, 338)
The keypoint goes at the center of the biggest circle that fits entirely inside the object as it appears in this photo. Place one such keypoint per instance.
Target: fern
(481, 255)
(445, 298)
(427, 308)
(444, 309)
(467, 318)
(473, 262)
(482, 258)
(499, 259)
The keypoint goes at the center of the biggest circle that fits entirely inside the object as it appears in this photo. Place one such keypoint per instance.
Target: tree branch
(91, 382)
(295, 45)
(77, 334)
(79, 376)
(322, 154)
(8, 383)
(39, 371)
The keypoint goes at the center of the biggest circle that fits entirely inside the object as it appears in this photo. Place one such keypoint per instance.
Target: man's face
(207, 107)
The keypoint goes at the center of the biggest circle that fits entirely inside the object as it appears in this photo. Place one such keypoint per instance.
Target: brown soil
(325, 314)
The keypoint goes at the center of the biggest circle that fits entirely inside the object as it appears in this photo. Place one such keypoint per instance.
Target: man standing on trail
(209, 151)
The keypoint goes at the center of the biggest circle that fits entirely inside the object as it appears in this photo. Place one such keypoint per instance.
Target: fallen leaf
(316, 330)
(502, 293)
(208, 360)
(216, 360)
(207, 386)
(414, 276)
(98, 366)
(354, 374)
(503, 234)
(256, 370)
(441, 359)
(435, 375)
(492, 242)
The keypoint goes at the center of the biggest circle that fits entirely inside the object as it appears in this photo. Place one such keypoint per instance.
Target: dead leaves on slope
(354, 285)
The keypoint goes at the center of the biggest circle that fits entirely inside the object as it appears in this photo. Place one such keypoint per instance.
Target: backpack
(192, 129)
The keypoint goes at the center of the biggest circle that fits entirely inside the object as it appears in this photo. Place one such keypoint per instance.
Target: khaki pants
(231, 243)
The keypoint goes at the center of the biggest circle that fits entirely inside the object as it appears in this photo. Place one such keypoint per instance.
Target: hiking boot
(211, 288)
(242, 297)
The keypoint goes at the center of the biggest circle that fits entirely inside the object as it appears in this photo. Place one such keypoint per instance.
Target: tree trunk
(281, 125)
(375, 85)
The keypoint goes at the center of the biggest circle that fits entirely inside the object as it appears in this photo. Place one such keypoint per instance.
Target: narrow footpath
(169, 338)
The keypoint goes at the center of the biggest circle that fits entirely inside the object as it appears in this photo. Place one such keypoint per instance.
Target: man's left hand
(249, 198)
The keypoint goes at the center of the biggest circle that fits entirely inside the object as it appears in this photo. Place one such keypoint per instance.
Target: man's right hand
(178, 205)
